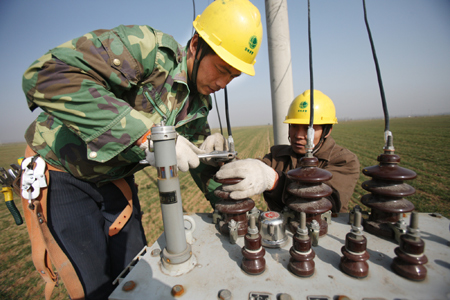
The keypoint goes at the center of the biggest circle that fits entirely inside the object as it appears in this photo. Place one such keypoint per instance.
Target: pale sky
(412, 41)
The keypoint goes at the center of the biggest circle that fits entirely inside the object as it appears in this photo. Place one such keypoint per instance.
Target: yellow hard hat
(299, 111)
(233, 29)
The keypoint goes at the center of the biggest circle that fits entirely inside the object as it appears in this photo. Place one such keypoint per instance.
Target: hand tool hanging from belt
(7, 180)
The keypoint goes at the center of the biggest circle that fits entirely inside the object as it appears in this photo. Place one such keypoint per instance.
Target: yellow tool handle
(8, 193)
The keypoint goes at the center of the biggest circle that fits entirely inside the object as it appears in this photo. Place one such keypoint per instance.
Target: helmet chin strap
(198, 57)
(326, 129)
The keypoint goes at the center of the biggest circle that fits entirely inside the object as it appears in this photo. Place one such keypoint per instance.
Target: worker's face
(298, 135)
(213, 73)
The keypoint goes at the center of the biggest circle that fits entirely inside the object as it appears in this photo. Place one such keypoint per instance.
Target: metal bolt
(177, 290)
(301, 229)
(414, 222)
(129, 286)
(156, 252)
(413, 229)
(285, 297)
(356, 226)
(252, 229)
(225, 295)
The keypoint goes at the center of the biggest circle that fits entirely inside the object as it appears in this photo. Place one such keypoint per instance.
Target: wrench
(220, 156)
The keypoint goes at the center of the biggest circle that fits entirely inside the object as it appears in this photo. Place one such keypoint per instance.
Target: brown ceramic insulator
(355, 243)
(301, 245)
(302, 264)
(306, 192)
(378, 209)
(232, 209)
(388, 169)
(313, 210)
(354, 264)
(252, 243)
(310, 207)
(309, 172)
(309, 191)
(409, 267)
(227, 181)
(219, 192)
(253, 263)
(410, 259)
(411, 246)
(387, 190)
(395, 189)
(354, 261)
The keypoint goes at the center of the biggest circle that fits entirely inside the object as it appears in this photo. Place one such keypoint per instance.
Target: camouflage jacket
(101, 92)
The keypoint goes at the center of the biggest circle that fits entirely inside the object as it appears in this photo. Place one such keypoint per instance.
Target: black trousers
(79, 216)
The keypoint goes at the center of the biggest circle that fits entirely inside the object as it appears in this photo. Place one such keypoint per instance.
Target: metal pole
(280, 64)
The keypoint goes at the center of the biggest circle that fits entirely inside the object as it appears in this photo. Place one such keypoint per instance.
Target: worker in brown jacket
(259, 176)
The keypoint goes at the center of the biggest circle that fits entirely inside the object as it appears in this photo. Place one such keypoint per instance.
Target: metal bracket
(33, 179)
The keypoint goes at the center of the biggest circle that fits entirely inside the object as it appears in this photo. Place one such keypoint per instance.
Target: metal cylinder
(164, 138)
(273, 230)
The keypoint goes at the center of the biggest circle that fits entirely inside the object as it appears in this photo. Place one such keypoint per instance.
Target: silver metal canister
(272, 229)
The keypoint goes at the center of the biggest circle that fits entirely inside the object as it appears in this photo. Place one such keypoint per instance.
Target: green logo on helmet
(303, 104)
(253, 42)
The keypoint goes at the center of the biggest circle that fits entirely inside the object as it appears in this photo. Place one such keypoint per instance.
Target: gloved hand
(187, 154)
(214, 142)
(257, 177)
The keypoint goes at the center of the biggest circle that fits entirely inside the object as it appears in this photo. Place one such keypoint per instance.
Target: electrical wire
(227, 115)
(218, 115)
(311, 120)
(380, 82)
(310, 133)
(193, 6)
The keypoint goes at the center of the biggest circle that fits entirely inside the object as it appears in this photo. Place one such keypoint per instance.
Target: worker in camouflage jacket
(268, 176)
(101, 94)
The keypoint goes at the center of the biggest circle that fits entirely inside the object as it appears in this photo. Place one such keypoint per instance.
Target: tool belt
(45, 249)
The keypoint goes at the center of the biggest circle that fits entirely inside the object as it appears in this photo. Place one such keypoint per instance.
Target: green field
(422, 144)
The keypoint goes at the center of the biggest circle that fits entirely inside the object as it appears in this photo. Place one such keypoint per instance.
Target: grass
(420, 142)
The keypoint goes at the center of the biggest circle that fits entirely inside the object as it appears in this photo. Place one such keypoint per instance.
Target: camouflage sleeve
(196, 132)
(83, 83)
(203, 177)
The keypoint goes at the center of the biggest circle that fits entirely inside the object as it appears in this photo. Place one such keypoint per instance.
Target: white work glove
(257, 177)
(214, 142)
(187, 154)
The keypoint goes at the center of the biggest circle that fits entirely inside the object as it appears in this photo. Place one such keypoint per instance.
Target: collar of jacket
(180, 76)
(183, 76)
(324, 152)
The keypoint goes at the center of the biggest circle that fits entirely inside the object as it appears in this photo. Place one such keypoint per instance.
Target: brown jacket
(341, 162)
